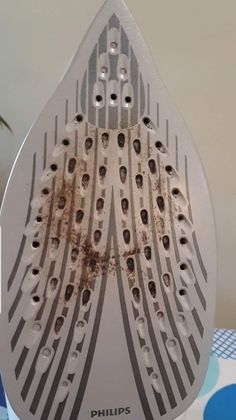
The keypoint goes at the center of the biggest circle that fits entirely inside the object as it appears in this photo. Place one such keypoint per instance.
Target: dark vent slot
(79, 216)
(123, 174)
(144, 216)
(53, 167)
(167, 280)
(148, 252)
(126, 235)
(71, 165)
(160, 147)
(88, 144)
(65, 142)
(35, 244)
(86, 297)
(152, 166)
(161, 203)
(58, 324)
(139, 181)
(100, 204)
(102, 172)
(53, 284)
(130, 264)
(137, 146)
(61, 203)
(121, 140)
(97, 236)
(125, 205)
(105, 140)
(69, 292)
(152, 289)
(136, 294)
(79, 118)
(85, 181)
(166, 242)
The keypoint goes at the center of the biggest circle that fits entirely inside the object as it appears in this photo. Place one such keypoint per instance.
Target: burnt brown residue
(74, 255)
(144, 238)
(89, 253)
(55, 243)
(95, 264)
(160, 225)
(62, 199)
(131, 252)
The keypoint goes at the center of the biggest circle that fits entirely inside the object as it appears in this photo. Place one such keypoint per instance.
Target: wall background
(193, 44)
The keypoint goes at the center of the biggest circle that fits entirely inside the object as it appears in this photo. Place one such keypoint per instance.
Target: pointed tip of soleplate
(116, 3)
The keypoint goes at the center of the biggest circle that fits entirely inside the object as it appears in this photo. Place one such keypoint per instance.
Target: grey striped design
(23, 241)
(63, 360)
(156, 349)
(169, 311)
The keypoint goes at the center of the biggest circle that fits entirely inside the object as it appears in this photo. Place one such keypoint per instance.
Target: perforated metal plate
(109, 260)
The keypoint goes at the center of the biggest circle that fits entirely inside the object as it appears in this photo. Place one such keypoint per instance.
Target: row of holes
(113, 98)
(126, 235)
(80, 213)
(68, 294)
(86, 295)
(146, 121)
(123, 171)
(121, 144)
(124, 206)
(104, 71)
(153, 292)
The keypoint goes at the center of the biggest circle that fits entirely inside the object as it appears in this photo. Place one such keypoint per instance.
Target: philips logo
(110, 412)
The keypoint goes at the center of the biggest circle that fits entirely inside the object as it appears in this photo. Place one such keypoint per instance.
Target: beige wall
(194, 46)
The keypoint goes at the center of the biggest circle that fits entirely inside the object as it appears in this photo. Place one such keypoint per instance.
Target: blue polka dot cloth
(217, 398)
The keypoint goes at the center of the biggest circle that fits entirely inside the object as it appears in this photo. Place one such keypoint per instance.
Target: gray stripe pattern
(23, 242)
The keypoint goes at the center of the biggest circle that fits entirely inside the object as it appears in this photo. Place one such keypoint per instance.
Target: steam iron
(109, 257)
